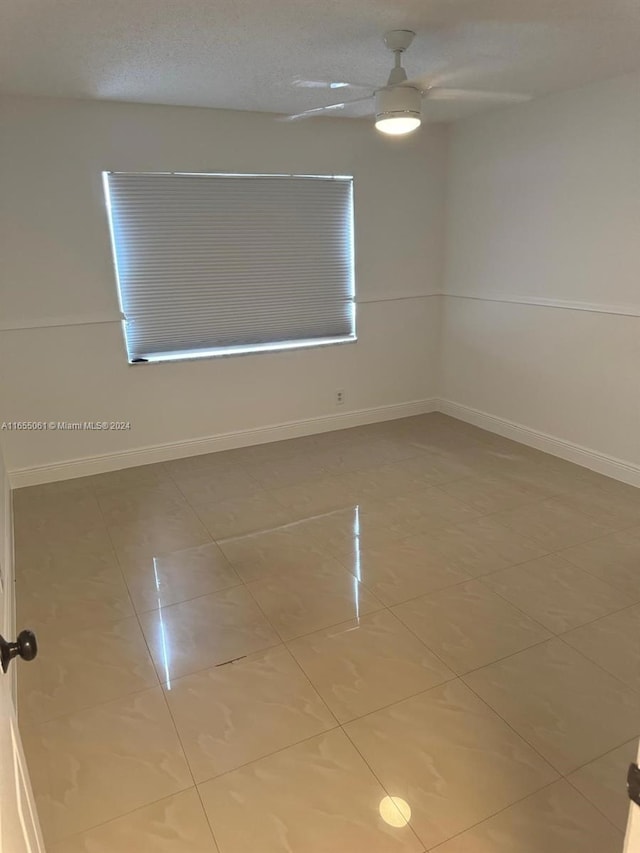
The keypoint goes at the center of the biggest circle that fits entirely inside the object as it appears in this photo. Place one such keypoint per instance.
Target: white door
(632, 841)
(19, 828)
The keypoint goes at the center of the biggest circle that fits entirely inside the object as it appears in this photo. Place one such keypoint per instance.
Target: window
(218, 264)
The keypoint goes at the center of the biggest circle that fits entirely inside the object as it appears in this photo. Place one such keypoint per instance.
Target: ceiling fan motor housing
(398, 102)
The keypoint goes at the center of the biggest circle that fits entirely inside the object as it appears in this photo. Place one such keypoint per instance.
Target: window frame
(240, 350)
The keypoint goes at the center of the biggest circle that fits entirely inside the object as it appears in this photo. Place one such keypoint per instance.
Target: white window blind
(220, 264)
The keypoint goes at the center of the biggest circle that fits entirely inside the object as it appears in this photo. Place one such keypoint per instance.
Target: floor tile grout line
(495, 814)
(301, 453)
(167, 705)
(488, 515)
(218, 849)
(604, 754)
(387, 607)
(268, 755)
(593, 574)
(454, 676)
(379, 781)
(524, 740)
(560, 634)
(634, 689)
(153, 663)
(67, 838)
(225, 588)
(175, 679)
(556, 636)
(593, 803)
(29, 723)
(561, 774)
(472, 578)
(284, 644)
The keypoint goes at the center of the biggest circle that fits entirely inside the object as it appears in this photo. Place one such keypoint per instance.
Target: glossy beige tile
(491, 492)
(450, 758)
(401, 570)
(568, 708)
(614, 559)
(477, 547)
(61, 520)
(552, 475)
(159, 581)
(419, 512)
(127, 478)
(510, 547)
(436, 467)
(553, 523)
(249, 514)
(603, 782)
(469, 626)
(288, 471)
(222, 460)
(361, 666)
(284, 550)
(299, 604)
(278, 449)
(372, 452)
(176, 824)
(234, 714)
(207, 487)
(324, 494)
(79, 669)
(556, 593)
(39, 559)
(96, 765)
(617, 506)
(396, 478)
(29, 498)
(554, 820)
(427, 468)
(81, 596)
(609, 642)
(133, 504)
(318, 796)
(345, 533)
(284, 558)
(205, 632)
(609, 484)
(155, 536)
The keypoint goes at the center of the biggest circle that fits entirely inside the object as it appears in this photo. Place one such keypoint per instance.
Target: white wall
(58, 279)
(543, 221)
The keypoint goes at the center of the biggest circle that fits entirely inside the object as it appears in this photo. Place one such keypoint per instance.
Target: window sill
(234, 352)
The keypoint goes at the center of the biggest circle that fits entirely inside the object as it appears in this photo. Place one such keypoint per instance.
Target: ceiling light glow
(395, 811)
(398, 110)
(397, 125)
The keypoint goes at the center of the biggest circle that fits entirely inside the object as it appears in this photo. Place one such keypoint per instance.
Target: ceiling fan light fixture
(398, 110)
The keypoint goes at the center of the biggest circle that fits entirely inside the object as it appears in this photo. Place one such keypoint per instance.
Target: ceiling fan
(398, 103)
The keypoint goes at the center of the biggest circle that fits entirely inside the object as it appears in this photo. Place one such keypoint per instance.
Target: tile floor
(401, 637)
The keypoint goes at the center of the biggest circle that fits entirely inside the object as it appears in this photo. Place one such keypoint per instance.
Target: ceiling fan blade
(453, 73)
(437, 93)
(330, 84)
(319, 110)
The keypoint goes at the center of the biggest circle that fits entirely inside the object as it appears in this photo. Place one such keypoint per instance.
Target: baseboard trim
(610, 466)
(72, 468)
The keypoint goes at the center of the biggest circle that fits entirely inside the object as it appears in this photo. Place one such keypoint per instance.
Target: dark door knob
(25, 646)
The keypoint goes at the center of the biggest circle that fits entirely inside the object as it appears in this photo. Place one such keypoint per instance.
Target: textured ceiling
(243, 54)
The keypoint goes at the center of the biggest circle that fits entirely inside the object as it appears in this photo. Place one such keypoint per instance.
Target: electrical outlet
(339, 398)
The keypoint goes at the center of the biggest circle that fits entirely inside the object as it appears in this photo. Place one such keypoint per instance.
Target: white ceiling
(244, 54)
